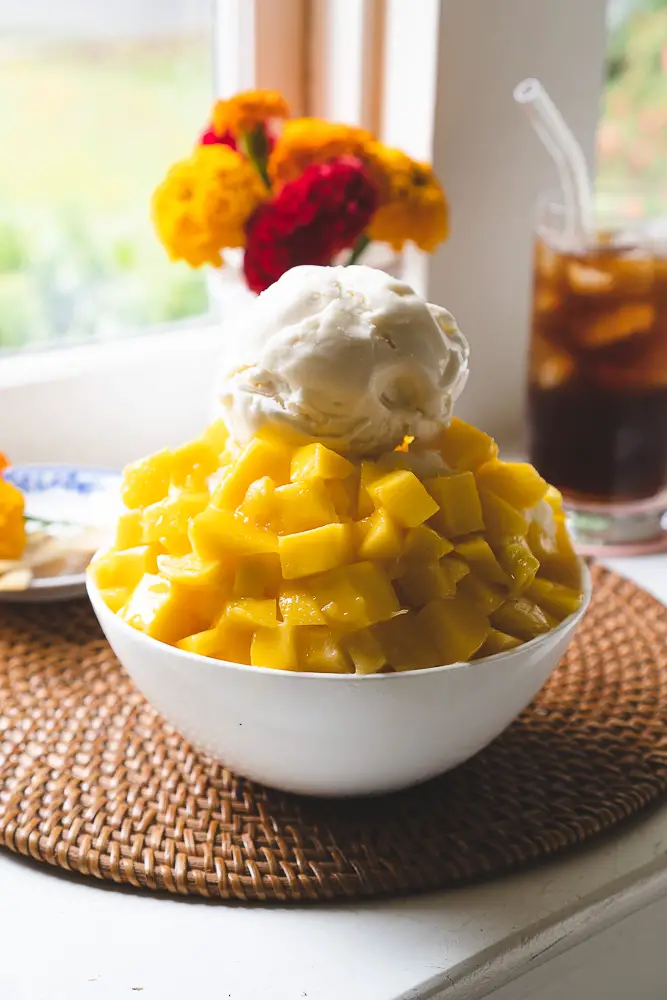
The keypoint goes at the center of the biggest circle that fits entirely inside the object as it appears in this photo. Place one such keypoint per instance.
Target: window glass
(632, 137)
(97, 100)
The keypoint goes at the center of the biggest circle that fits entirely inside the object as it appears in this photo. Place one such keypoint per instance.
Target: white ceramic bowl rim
(482, 662)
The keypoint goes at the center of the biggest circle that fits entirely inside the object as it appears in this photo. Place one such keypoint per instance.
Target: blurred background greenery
(88, 126)
(632, 136)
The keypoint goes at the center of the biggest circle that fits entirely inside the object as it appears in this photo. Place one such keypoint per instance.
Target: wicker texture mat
(93, 781)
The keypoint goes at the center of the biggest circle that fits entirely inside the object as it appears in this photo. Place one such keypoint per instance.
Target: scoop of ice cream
(347, 355)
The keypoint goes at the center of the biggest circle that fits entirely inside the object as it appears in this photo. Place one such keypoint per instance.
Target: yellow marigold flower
(203, 203)
(12, 527)
(412, 203)
(313, 140)
(244, 112)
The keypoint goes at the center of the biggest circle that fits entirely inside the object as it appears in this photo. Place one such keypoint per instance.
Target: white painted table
(587, 927)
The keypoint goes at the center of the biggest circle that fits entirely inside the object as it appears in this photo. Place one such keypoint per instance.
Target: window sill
(105, 404)
(29, 368)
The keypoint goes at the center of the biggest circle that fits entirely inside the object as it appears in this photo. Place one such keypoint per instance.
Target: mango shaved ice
(287, 555)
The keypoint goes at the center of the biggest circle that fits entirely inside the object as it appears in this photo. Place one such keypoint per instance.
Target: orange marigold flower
(203, 203)
(12, 526)
(313, 140)
(244, 112)
(412, 203)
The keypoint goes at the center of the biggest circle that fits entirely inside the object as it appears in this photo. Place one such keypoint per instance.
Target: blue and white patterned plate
(66, 503)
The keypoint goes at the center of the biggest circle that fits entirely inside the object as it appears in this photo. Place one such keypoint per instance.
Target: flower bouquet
(290, 191)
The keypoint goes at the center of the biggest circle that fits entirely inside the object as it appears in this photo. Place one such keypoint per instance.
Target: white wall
(493, 167)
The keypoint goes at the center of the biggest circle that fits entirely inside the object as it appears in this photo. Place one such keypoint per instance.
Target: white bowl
(337, 734)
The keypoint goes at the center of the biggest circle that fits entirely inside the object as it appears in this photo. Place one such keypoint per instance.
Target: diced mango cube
(115, 597)
(425, 545)
(259, 458)
(338, 599)
(458, 627)
(344, 496)
(541, 544)
(460, 511)
(404, 496)
(192, 571)
(554, 498)
(465, 447)
(453, 568)
(406, 644)
(355, 596)
(274, 648)
(192, 464)
(485, 595)
(216, 533)
(122, 569)
(383, 538)
(166, 522)
(227, 641)
(162, 610)
(233, 641)
(257, 576)
(365, 651)
(498, 642)
(501, 521)
(216, 435)
(558, 560)
(206, 643)
(320, 652)
(259, 503)
(555, 598)
(421, 583)
(373, 585)
(519, 562)
(281, 435)
(315, 551)
(370, 473)
(478, 554)
(146, 481)
(520, 617)
(129, 530)
(298, 607)
(303, 505)
(254, 612)
(393, 460)
(317, 461)
(518, 483)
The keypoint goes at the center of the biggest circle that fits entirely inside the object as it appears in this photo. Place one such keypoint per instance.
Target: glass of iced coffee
(598, 376)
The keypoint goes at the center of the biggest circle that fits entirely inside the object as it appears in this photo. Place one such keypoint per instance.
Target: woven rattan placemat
(93, 781)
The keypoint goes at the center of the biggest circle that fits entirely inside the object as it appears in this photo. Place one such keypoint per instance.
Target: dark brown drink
(598, 372)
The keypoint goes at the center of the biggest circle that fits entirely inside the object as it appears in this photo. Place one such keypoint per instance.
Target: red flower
(309, 221)
(211, 138)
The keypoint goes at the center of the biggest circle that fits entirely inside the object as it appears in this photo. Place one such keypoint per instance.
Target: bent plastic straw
(568, 155)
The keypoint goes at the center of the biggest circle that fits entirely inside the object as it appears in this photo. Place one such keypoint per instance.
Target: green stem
(254, 146)
(358, 248)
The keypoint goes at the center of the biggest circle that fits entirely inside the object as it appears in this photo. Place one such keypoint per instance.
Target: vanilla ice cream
(347, 355)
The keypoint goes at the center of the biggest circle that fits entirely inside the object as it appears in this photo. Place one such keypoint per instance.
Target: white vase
(227, 290)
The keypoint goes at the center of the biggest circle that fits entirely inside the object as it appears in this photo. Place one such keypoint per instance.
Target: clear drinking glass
(597, 396)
